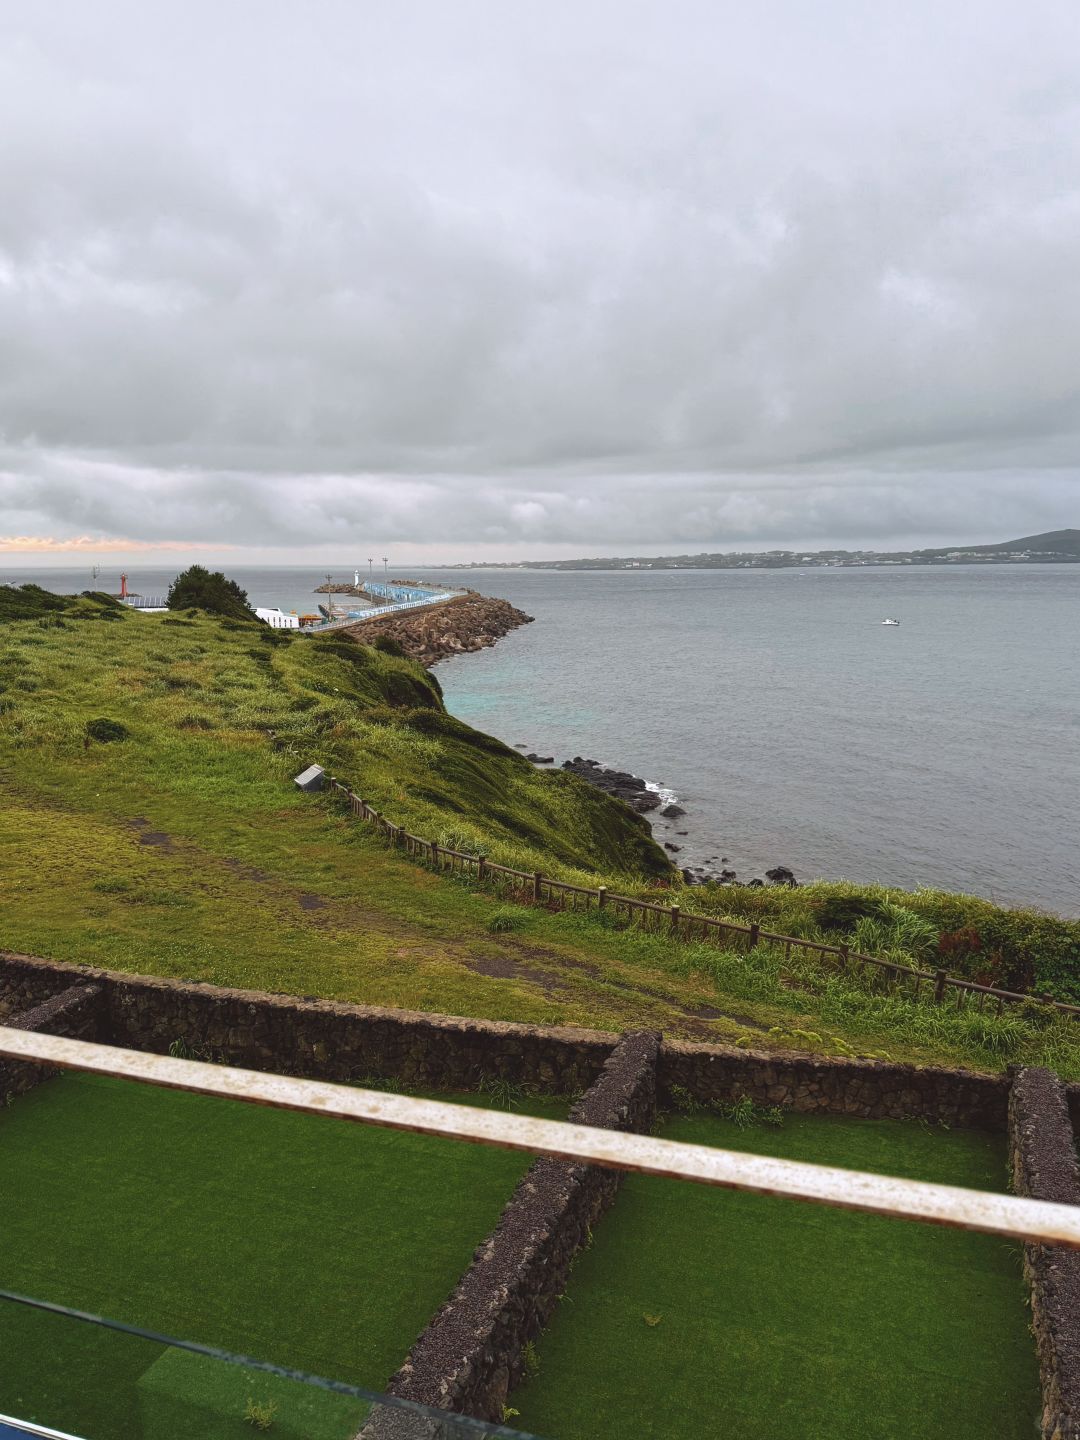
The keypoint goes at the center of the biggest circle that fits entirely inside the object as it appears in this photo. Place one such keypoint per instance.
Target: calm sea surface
(794, 727)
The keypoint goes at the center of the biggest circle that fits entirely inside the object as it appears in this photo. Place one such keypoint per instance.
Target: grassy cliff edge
(148, 823)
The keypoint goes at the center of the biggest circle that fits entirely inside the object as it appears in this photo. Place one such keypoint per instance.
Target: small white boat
(890, 622)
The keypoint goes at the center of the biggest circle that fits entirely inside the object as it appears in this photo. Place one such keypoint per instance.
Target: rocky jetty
(454, 627)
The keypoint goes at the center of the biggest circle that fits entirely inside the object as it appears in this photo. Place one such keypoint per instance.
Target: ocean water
(793, 727)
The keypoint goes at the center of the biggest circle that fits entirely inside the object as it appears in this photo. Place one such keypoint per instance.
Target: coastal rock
(673, 848)
(672, 812)
(631, 789)
(781, 875)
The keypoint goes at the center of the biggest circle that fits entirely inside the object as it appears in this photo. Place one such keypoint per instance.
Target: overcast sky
(469, 280)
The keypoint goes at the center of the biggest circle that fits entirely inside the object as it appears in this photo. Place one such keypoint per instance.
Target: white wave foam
(668, 797)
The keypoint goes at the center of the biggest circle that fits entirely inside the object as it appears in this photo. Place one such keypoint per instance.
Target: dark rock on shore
(626, 787)
(781, 875)
(633, 791)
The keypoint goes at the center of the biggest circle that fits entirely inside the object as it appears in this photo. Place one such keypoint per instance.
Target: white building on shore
(277, 618)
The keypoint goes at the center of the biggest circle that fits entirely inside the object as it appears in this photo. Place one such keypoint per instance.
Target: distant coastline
(1055, 547)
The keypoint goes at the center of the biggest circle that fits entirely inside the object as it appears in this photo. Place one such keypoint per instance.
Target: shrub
(193, 721)
(898, 930)
(506, 1094)
(202, 589)
(843, 912)
(106, 731)
(744, 1114)
(389, 646)
(504, 919)
(260, 1413)
(530, 1360)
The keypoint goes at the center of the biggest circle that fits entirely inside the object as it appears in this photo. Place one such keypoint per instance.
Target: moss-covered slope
(182, 686)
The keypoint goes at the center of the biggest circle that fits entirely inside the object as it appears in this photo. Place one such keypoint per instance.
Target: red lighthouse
(123, 587)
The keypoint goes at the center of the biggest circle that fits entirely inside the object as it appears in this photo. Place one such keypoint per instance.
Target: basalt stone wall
(319, 1038)
(872, 1089)
(471, 1354)
(1044, 1166)
(1073, 1094)
(76, 1013)
(22, 986)
(331, 1041)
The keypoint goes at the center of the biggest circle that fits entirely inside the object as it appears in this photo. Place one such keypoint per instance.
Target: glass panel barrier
(78, 1376)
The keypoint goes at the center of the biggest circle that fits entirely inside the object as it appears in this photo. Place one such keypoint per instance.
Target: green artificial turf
(309, 1242)
(793, 1321)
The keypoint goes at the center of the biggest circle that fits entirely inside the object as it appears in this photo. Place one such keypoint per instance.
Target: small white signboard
(313, 778)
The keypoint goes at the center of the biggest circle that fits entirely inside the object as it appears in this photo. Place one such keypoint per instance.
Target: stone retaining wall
(332, 1041)
(22, 986)
(471, 1354)
(319, 1038)
(1042, 1154)
(76, 1013)
(872, 1089)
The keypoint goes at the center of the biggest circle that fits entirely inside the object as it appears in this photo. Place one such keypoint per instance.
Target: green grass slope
(148, 823)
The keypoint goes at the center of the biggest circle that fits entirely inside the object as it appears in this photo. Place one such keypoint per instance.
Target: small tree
(200, 588)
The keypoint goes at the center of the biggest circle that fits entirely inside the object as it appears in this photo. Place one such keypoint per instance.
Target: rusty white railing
(1009, 1215)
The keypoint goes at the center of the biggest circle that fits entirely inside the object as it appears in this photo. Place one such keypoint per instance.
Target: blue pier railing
(395, 592)
(418, 598)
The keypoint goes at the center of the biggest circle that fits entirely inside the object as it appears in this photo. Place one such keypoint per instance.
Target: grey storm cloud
(591, 273)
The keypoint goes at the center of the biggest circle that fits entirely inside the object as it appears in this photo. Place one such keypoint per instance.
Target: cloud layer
(593, 276)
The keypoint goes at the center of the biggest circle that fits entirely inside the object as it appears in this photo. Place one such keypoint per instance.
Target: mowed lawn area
(309, 1242)
(705, 1313)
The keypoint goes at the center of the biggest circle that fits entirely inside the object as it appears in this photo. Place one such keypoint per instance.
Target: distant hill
(1054, 542)
(1061, 546)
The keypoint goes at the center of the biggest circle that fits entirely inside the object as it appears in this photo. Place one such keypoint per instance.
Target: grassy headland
(148, 823)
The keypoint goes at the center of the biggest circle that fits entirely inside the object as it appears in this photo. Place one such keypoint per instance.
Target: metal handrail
(1013, 1216)
(435, 598)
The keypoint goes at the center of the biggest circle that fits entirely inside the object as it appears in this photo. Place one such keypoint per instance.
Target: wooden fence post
(844, 952)
(481, 867)
(435, 853)
(674, 919)
(601, 896)
(537, 881)
(940, 977)
(754, 936)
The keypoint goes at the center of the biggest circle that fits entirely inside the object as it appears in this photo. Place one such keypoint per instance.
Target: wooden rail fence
(674, 921)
